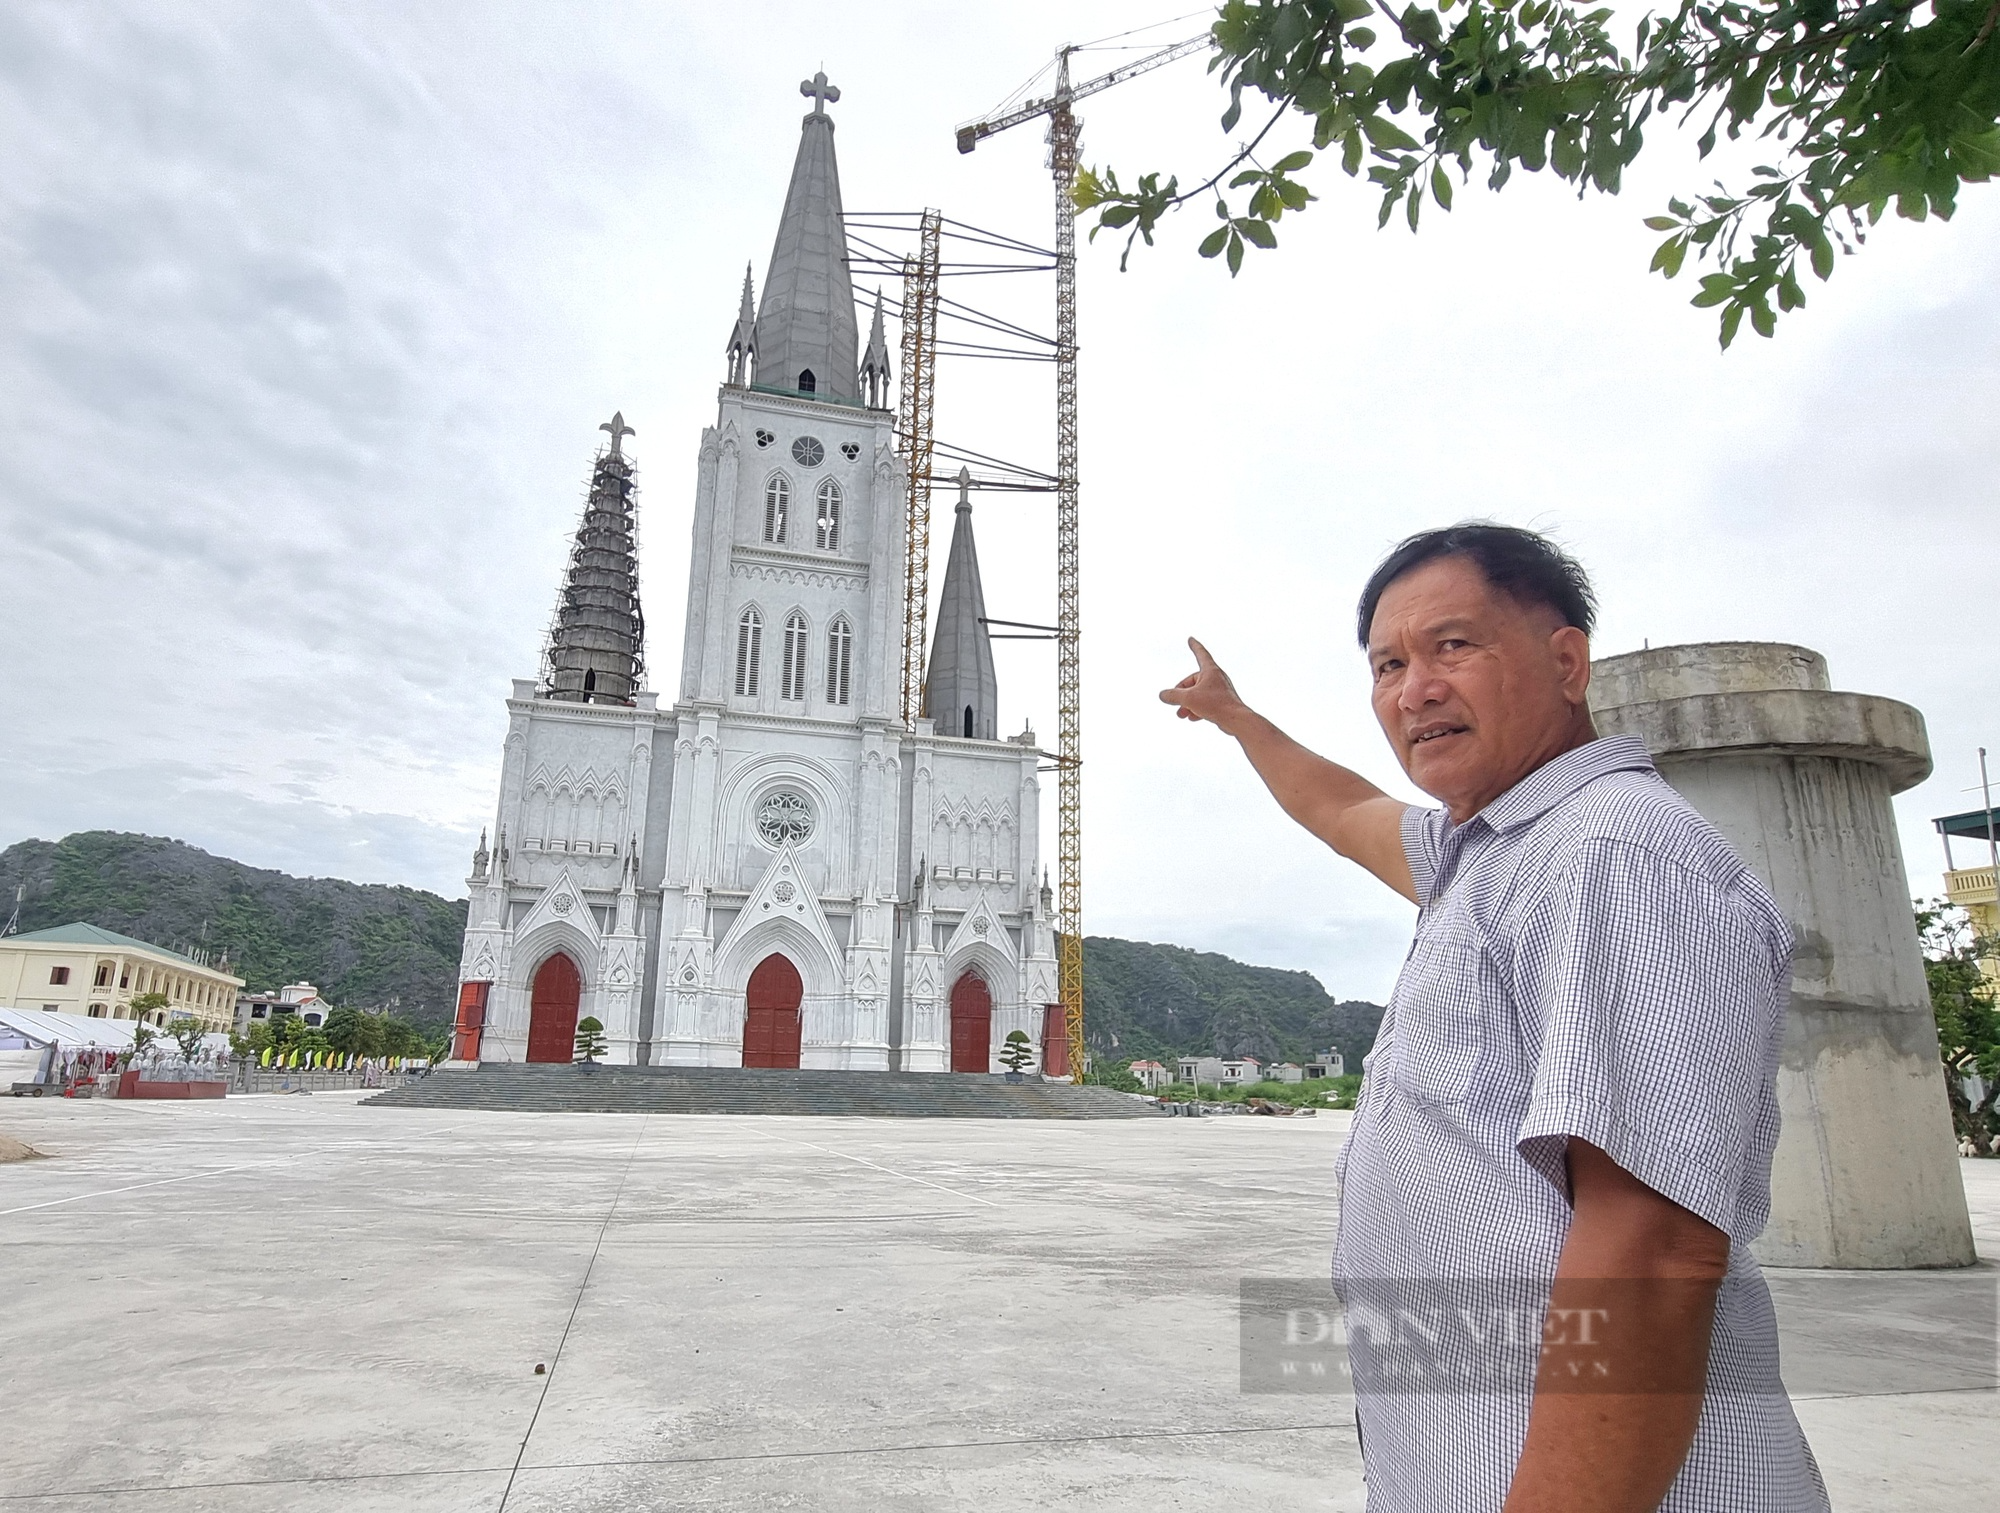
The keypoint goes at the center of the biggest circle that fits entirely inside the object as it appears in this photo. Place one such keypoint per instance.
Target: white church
(773, 871)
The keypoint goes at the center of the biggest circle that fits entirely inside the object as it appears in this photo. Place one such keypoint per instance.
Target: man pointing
(1574, 1084)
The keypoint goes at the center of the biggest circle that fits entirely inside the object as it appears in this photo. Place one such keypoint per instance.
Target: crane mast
(1063, 136)
(1069, 615)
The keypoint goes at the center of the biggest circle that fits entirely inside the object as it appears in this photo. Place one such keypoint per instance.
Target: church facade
(774, 870)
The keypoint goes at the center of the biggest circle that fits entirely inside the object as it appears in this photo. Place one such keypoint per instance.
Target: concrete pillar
(1798, 777)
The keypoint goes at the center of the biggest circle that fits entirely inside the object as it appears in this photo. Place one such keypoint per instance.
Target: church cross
(617, 427)
(821, 93)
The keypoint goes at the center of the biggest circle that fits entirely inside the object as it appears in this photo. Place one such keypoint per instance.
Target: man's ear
(1571, 649)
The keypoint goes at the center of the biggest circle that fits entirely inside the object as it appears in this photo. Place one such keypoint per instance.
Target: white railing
(1970, 884)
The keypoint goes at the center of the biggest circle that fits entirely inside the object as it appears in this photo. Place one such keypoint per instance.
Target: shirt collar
(1555, 780)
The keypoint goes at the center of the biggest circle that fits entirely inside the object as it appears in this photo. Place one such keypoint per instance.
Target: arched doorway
(552, 1010)
(771, 1014)
(971, 1025)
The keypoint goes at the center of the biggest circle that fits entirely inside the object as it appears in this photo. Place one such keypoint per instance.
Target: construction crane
(1063, 137)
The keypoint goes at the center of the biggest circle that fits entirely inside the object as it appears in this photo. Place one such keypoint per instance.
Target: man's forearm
(1624, 1365)
(1595, 1451)
(1342, 808)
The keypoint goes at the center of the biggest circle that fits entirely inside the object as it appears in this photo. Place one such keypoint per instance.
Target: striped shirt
(1592, 961)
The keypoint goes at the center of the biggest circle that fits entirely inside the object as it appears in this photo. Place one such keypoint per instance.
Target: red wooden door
(1055, 1041)
(771, 1014)
(971, 1025)
(552, 1010)
(471, 1020)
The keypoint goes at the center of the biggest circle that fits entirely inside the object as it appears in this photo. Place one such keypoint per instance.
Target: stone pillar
(1798, 777)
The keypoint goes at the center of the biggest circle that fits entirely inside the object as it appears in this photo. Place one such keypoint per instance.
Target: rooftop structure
(806, 341)
(960, 690)
(597, 645)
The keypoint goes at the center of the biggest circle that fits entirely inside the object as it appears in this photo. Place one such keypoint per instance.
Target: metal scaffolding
(916, 414)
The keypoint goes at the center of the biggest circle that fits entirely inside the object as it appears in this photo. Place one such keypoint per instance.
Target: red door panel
(971, 1025)
(471, 1020)
(771, 1014)
(552, 1010)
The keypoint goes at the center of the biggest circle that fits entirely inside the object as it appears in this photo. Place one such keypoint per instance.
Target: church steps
(733, 1090)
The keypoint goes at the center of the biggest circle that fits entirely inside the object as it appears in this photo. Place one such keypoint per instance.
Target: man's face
(1474, 690)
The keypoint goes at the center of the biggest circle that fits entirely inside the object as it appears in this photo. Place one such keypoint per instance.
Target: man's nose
(1421, 687)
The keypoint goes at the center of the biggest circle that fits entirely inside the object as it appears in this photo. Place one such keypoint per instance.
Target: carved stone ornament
(562, 903)
(785, 817)
(980, 926)
(783, 892)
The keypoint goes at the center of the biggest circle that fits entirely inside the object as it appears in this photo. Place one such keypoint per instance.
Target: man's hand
(1206, 693)
(1343, 809)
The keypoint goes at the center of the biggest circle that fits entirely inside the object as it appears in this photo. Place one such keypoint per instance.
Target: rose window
(785, 818)
(808, 452)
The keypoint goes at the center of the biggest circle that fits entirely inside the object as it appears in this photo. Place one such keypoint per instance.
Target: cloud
(311, 313)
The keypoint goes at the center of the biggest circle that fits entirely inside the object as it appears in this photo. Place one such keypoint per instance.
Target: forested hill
(368, 945)
(1145, 1001)
(363, 945)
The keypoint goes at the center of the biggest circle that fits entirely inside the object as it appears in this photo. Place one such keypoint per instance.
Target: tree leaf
(1258, 233)
(1235, 258)
(1211, 245)
(1292, 162)
(1441, 186)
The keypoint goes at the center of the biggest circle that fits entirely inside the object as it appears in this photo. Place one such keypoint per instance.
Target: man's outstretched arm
(1342, 808)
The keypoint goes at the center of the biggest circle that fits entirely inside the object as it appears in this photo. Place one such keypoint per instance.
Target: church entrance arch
(971, 1024)
(771, 1014)
(552, 1010)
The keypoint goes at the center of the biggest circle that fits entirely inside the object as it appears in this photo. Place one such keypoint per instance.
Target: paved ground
(298, 1303)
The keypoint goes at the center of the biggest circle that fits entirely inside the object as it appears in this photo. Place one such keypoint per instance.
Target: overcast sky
(312, 312)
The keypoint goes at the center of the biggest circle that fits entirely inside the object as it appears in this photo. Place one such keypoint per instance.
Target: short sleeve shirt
(1592, 961)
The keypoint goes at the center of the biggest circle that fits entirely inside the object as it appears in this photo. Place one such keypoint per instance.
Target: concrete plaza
(300, 1303)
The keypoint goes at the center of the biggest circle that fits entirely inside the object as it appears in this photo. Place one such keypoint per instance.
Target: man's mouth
(1431, 733)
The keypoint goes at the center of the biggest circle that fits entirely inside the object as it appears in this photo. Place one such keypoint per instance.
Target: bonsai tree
(589, 1039)
(1016, 1054)
(187, 1034)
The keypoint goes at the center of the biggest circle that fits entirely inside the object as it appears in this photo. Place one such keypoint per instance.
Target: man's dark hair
(1527, 568)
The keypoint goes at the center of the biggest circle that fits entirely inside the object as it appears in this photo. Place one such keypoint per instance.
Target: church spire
(805, 335)
(961, 695)
(597, 645)
(743, 340)
(875, 364)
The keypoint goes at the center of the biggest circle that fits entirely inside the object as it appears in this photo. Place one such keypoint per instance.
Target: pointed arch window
(807, 383)
(827, 515)
(839, 661)
(792, 682)
(749, 652)
(777, 507)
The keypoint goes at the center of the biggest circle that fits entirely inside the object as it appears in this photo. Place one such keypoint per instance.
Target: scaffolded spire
(743, 340)
(597, 646)
(875, 364)
(806, 336)
(961, 694)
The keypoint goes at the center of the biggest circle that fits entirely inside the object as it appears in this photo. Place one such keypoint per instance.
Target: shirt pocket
(1440, 1018)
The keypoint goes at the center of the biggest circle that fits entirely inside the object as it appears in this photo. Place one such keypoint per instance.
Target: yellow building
(81, 969)
(1971, 888)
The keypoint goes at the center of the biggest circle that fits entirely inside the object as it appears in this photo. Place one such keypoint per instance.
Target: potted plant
(1016, 1054)
(589, 1041)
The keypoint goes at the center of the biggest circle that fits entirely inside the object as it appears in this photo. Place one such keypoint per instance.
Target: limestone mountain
(1143, 1000)
(363, 944)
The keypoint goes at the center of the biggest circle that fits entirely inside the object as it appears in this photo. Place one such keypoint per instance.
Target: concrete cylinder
(1799, 777)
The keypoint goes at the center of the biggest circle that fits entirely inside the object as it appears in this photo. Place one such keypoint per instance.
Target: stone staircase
(736, 1090)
